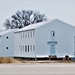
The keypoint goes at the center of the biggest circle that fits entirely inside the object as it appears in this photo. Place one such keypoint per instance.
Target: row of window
(27, 48)
(27, 34)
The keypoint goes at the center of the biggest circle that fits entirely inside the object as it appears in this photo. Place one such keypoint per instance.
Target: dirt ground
(12, 60)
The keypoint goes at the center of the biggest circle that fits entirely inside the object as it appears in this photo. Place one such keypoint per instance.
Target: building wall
(24, 44)
(7, 45)
(0, 45)
(64, 35)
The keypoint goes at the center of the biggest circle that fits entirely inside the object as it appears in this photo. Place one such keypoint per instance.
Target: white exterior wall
(4, 42)
(22, 39)
(0, 45)
(64, 35)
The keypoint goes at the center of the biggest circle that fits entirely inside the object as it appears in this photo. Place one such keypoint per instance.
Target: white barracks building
(7, 43)
(50, 38)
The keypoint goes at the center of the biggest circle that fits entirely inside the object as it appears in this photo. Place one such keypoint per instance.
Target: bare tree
(23, 18)
(7, 24)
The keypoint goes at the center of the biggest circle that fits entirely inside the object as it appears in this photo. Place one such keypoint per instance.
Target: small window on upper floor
(53, 34)
(33, 33)
(6, 37)
(6, 47)
(21, 35)
(33, 47)
(25, 34)
(23, 47)
(28, 34)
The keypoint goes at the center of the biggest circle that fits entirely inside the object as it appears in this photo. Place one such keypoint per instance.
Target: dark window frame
(6, 37)
(7, 47)
(28, 48)
(25, 48)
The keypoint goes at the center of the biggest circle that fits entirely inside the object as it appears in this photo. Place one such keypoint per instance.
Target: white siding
(64, 37)
(22, 39)
(38, 43)
(7, 40)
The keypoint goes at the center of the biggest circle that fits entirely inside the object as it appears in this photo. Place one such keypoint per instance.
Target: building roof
(33, 26)
(6, 31)
(37, 25)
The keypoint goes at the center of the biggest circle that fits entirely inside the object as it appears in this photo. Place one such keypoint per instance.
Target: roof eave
(23, 30)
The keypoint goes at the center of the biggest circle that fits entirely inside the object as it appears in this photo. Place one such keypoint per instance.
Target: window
(25, 48)
(33, 34)
(33, 47)
(21, 48)
(6, 47)
(6, 37)
(28, 34)
(53, 33)
(21, 35)
(52, 45)
(28, 48)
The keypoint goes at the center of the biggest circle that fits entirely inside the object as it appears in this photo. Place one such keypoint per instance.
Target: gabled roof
(37, 25)
(6, 31)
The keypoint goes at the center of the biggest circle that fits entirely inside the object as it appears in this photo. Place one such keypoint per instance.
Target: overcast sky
(61, 9)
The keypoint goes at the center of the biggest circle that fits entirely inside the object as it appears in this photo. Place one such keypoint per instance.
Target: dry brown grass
(12, 60)
(8, 60)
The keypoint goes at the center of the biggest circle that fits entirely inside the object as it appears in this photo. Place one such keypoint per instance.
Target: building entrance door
(52, 50)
